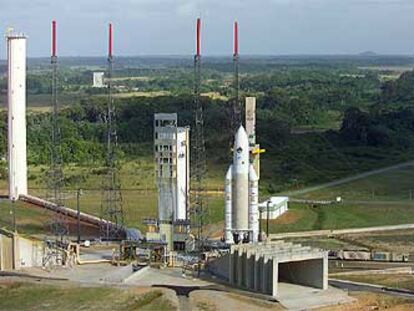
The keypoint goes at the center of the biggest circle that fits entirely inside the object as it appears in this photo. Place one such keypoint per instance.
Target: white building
(172, 154)
(16, 98)
(98, 79)
(277, 207)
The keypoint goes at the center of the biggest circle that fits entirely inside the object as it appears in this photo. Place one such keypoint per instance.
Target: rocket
(241, 195)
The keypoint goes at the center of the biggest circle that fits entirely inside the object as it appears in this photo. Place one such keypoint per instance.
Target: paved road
(316, 233)
(363, 287)
(349, 179)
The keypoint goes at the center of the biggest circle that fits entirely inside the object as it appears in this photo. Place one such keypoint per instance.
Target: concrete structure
(172, 160)
(241, 195)
(16, 99)
(17, 252)
(171, 149)
(98, 79)
(277, 207)
(261, 267)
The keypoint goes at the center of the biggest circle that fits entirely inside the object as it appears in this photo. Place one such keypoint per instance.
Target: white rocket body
(253, 205)
(228, 234)
(241, 194)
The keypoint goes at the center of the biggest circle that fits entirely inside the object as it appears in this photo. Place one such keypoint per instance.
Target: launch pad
(261, 267)
(176, 235)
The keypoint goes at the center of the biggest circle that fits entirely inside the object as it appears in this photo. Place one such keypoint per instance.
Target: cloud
(167, 26)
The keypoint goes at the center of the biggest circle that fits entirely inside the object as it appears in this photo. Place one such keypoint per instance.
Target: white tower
(16, 98)
(172, 155)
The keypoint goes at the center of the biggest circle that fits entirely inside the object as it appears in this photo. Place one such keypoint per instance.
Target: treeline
(374, 119)
(389, 121)
(83, 124)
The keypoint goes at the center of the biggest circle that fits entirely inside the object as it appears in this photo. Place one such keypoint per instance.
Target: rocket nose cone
(241, 138)
(229, 173)
(241, 152)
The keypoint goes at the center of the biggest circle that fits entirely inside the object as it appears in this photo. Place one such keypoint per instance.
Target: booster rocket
(241, 195)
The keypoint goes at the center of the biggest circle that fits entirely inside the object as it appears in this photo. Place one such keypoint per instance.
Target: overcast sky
(166, 27)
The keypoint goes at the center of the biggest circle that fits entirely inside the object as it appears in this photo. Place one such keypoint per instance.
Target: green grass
(28, 221)
(342, 216)
(29, 296)
(323, 243)
(140, 199)
(139, 194)
(394, 185)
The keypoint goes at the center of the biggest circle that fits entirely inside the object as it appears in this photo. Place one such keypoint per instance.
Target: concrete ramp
(68, 212)
(297, 297)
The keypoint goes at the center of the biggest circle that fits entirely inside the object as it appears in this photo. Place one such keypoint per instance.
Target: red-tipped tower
(53, 38)
(198, 49)
(110, 41)
(236, 39)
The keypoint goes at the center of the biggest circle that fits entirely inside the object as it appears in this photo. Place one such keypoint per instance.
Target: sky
(167, 27)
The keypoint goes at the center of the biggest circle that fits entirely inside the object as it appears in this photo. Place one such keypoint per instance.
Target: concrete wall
(28, 253)
(220, 267)
(17, 252)
(6, 253)
(307, 272)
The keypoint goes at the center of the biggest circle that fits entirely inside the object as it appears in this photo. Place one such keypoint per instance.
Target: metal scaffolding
(198, 209)
(111, 204)
(55, 179)
(236, 115)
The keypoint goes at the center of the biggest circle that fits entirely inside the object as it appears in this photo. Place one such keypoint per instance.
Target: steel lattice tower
(236, 107)
(111, 205)
(55, 174)
(198, 158)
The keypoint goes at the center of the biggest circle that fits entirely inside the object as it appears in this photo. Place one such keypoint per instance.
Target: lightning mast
(236, 108)
(198, 159)
(55, 176)
(111, 205)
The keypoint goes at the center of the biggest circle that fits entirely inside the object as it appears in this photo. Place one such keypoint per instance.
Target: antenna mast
(111, 206)
(55, 177)
(236, 108)
(198, 159)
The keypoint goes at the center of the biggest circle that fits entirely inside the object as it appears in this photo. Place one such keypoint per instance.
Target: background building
(98, 79)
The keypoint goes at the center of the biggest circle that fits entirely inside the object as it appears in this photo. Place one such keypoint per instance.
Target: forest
(318, 118)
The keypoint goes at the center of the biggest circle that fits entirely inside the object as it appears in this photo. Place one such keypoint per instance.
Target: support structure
(261, 267)
(16, 98)
(59, 224)
(111, 205)
(198, 157)
(171, 153)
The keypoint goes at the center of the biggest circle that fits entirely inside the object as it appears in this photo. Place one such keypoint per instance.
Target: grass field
(139, 195)
(44, 100)
(305, 217)
(30, 296)
(368, 202)
(393, 185)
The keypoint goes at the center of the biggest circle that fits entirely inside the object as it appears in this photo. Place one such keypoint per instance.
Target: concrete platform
(91, 273)
(169, 277)
(296, 297)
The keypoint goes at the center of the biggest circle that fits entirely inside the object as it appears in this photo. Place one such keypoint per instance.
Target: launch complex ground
(244, 268)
